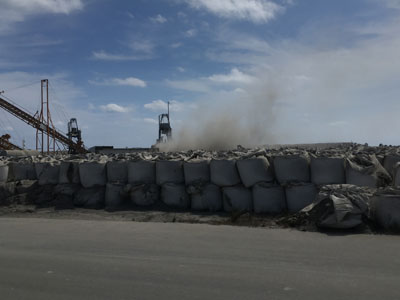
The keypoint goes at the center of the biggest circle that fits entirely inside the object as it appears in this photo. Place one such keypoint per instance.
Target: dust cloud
(245, 119)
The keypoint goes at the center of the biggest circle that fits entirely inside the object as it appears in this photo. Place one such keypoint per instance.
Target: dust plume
(243, 119)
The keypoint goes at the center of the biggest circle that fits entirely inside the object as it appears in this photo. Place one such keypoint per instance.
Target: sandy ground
(250, 220)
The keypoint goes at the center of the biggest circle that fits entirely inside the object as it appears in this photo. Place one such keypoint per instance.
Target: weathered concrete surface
(70, 259)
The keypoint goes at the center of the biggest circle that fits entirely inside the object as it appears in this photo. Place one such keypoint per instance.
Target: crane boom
(41, 126)
(5, 144)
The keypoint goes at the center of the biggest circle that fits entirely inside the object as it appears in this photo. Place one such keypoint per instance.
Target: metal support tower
(48, 145)
(164, 128)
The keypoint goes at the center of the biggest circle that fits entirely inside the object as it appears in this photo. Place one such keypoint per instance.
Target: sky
(236, 72)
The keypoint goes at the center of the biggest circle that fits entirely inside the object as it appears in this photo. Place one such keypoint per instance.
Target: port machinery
(48, 138)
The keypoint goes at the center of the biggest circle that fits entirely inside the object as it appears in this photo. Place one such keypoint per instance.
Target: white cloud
(258, 11)
(176, 45)
(129, 81)
(158, 19)
(160, 105)
(234, 80)
(150, 121)
(103, 55)
(112, 107)
(12, 11)
(235, 76)
(142, 46)
(180, 69)
(190, 33)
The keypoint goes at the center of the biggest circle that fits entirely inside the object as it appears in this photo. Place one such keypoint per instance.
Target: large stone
(224, 173)
(169, 172)
(196, 172)
(92, 174)
(328, 170)
(254, 170)
(238, 199)
(268, 198)
(142, 172)
(299, 196)
(292, 168)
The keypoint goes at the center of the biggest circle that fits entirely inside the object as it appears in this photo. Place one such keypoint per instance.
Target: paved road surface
(70, 259)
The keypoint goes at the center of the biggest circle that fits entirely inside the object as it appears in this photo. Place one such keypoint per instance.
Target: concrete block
(169, 172)
(196, 172)
(224, 173)
(268, 198)
(299, 196)
(141, 172)
(254, 170)
(237, 198)
(328, 170)
(292, 168)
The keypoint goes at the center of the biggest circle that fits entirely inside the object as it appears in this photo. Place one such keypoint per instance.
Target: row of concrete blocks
(223, 173)
(261, 198)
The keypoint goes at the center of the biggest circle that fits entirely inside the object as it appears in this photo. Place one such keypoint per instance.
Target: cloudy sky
(235, 71)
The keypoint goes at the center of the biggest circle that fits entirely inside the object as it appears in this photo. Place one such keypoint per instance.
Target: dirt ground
(246, 219)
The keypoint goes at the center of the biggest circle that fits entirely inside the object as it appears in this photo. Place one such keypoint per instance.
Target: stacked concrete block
(254, 170)
(175, 196)
(196, 172)
(169, 172)
(390, 162)
(140, 172)
(328, 170)
(117, 177)
(114, 196)
(92, 174)
(142, 186)
(268, 198)
(47, 173)
(144, 194)
(368, 172)
(299, 196)
(206, 198)
(170, 176)
(385, 210)
(396, 175)
(90, 197)
(360, 175)
(117, 171)
(3, 173)
(69, 173)
(21, 171)
(237, 199)
(293, 168)
(224, 173)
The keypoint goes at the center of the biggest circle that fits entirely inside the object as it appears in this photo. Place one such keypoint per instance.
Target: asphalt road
(75, 259)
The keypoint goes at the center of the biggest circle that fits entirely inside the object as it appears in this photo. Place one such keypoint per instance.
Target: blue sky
(236, 71)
